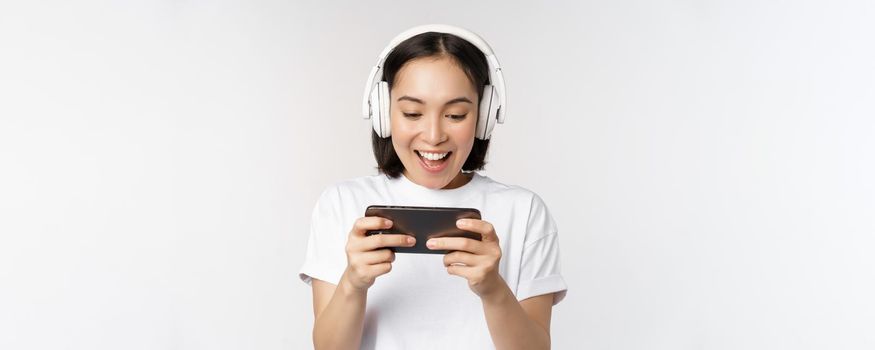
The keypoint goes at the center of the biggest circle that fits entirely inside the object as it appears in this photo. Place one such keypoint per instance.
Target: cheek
(465, 143)
(399, 144)
(461, 130)
(401, 133)
(469, 146)
(402, 127)
(466, 131)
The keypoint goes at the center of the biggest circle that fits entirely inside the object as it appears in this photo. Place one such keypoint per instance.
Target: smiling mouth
(433, 160)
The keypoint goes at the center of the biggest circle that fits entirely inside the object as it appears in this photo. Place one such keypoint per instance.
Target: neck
(460, 180)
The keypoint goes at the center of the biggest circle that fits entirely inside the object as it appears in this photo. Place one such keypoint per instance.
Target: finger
(460, 258)
(379, 269)
(367, 223)
(456, 243)
(387, 240)
(378, 256)
(462, 271)
(484, 228)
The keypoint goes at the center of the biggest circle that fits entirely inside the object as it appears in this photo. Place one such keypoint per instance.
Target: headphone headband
(496, 78)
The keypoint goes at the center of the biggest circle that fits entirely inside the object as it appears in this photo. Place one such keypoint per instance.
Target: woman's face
(433, 120)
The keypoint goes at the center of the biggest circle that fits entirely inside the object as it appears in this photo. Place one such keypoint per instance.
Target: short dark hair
(432, 44)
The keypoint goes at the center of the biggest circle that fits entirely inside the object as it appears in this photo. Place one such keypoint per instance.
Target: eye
(457, 116)
(412, 115)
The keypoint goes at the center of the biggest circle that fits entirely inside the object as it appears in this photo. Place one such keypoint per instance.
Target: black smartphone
(423, 223)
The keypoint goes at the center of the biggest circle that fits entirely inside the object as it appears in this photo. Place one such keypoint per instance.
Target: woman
(493, 293)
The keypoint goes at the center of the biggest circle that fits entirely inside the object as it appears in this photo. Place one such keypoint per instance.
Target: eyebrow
(455, 100)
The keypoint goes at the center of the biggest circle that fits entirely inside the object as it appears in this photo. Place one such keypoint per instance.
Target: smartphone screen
(423, 223)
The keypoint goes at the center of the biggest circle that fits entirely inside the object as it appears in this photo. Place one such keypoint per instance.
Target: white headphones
(375, 104)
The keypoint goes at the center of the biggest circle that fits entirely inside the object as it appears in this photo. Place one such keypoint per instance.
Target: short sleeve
(540, 270)
(326, 257)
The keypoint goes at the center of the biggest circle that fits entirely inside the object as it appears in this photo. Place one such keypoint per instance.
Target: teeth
(433, 156)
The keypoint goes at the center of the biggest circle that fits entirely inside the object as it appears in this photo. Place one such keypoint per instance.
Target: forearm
(339, 325)
(509, 325)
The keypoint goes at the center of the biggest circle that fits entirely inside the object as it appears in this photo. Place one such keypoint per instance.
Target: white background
(709, 163)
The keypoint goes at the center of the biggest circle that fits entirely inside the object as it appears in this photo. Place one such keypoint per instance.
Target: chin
(432, 182)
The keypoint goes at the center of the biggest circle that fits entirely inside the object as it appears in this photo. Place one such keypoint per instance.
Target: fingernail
(411, 240)
(431, 243)
(387, 222)
(461, 222)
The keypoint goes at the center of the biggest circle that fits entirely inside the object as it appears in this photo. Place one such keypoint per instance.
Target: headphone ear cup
(488, 112)
(378, 104)
(374, 109)
(384, 109)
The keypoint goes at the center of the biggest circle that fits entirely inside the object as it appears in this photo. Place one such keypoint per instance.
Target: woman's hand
(476, 261)
(368, 257)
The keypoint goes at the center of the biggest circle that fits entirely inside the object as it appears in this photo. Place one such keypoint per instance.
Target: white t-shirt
(418, 305)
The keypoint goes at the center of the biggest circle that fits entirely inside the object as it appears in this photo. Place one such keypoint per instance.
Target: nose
(434, 132)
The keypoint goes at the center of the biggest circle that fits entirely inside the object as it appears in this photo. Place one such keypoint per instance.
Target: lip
(437, 170)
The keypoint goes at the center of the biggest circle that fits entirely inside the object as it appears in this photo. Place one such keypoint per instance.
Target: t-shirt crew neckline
(421, 192)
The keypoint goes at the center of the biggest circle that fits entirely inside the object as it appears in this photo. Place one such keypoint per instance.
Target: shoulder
(510, 191)
(344, 191)
(528, 204)
(356, 184)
